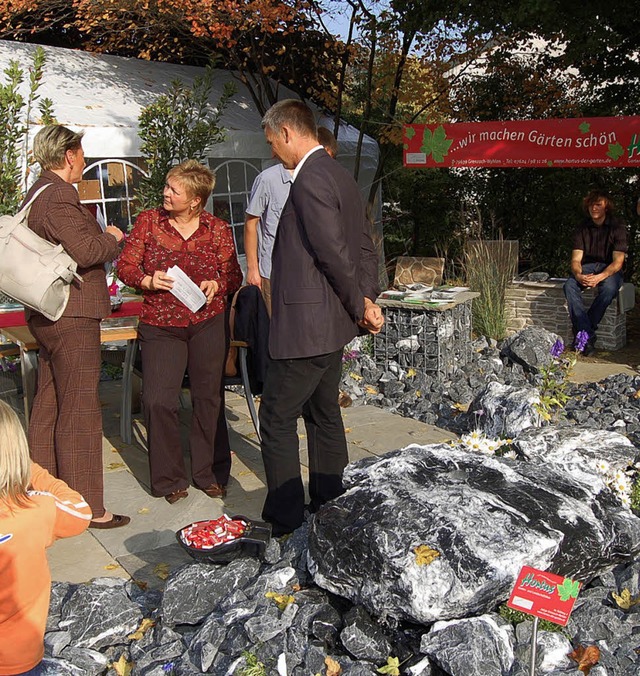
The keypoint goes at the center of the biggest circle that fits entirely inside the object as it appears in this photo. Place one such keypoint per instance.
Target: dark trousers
(588, 320)
(307, 387)
(65, 430)
(167, 352)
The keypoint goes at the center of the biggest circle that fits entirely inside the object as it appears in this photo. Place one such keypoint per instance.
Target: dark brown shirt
(598, 242)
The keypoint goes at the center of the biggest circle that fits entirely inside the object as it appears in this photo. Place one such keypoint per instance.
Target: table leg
(29, 368)
(127, 386)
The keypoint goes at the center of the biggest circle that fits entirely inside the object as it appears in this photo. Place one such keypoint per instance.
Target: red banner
(577, 142)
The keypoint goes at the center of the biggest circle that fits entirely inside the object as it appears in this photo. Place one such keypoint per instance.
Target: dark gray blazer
(324, 263)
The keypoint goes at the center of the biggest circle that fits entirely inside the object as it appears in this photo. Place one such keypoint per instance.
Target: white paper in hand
(185, 290)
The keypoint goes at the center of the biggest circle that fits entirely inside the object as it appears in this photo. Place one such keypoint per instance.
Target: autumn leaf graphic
(409, 132)
(584, 127)
(436, 143)
(568, 589)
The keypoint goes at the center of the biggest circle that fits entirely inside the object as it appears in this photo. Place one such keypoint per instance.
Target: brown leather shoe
(116, 521)
(216, 491)
(176, 495)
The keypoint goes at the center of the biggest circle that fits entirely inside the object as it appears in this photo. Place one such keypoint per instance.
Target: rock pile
(613, 404)
(408, 567)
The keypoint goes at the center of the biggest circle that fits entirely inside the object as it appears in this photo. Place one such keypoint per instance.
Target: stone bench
(543, 304)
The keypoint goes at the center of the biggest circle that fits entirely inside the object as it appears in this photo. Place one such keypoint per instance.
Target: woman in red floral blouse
(174, 339)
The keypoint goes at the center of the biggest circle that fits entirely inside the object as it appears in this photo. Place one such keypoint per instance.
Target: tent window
(110, 185)
(230, 197)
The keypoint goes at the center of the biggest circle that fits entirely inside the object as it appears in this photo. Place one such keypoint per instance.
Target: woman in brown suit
(65, 430)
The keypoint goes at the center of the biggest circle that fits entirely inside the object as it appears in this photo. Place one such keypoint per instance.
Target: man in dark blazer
(324, 283)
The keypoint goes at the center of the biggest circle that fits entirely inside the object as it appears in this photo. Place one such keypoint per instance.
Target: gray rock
(99, 615)
(531, 348)
(55, 642)
(552, 650)
(195, 590)
(204, 645)
(506, 411)
(477, 646)
(91, 662)
(58, 667)
(363, 638)
(570, 447)
(538, 276)
(482, 518)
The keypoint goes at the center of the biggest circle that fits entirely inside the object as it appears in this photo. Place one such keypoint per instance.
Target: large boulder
(432, 533)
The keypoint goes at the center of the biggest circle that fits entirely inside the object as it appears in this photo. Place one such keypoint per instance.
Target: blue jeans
(588, 320)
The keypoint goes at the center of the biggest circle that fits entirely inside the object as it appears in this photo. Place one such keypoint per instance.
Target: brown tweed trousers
(65, 430)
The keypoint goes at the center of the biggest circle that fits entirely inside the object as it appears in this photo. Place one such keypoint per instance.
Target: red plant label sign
(544, 595)
(576, 142)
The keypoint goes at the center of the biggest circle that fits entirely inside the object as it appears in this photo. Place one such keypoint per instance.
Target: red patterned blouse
(209, 254)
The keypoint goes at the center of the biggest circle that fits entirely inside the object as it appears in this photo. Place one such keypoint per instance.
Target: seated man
(599, 248)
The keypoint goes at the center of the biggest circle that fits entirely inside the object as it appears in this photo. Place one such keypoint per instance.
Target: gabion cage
(429, 340)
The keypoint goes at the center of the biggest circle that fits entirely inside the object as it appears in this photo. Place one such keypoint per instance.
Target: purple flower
(581, 341)
(557, 348)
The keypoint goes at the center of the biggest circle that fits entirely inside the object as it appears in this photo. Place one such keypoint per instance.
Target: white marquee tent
(104, 95)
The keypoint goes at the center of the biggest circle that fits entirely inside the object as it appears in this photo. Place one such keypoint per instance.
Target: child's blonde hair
(15, 462)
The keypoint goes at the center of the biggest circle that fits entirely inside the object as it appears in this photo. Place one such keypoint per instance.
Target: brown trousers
(65, 429)
(167, 352)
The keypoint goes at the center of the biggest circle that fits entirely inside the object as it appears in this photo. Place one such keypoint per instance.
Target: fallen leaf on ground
(425, 555)
(144, 627)
(586, 657)
(112, 566)
(333, 668)
(370, 389)
(624, 599)
(392, 667)
(115, 465)
(161, 570)
(144, 510)
(122, 667)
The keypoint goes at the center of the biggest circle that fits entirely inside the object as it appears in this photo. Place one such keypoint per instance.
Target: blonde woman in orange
(35, 510)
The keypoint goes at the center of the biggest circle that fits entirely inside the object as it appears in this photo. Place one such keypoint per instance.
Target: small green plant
(180, 125)
(516, 617)
(253, 666)
(555, 376)
(15, 113)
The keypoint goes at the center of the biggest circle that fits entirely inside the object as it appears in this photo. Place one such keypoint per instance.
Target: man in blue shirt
(268, 196)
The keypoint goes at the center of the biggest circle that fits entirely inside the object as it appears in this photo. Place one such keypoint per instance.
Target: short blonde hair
(196, 179)
(15, 462)
(51, 144)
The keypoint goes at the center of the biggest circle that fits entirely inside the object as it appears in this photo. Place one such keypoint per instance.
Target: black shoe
(590, 347)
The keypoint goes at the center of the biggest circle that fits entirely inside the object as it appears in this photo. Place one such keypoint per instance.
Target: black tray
(252, 543)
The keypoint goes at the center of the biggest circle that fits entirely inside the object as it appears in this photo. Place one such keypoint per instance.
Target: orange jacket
(55, 511)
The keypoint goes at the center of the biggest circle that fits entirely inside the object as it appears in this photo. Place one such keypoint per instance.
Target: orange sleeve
(72, 512)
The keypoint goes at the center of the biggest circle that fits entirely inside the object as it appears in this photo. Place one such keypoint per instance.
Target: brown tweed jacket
(58, 216)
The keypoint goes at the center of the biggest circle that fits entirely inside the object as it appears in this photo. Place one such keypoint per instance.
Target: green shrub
(15, 114)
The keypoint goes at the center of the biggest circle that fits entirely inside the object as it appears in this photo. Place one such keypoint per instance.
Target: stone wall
(543, 304)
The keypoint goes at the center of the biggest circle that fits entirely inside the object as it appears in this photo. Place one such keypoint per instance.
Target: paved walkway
(147, 550)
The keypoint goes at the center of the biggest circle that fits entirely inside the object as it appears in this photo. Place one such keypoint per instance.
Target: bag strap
(41, 189)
